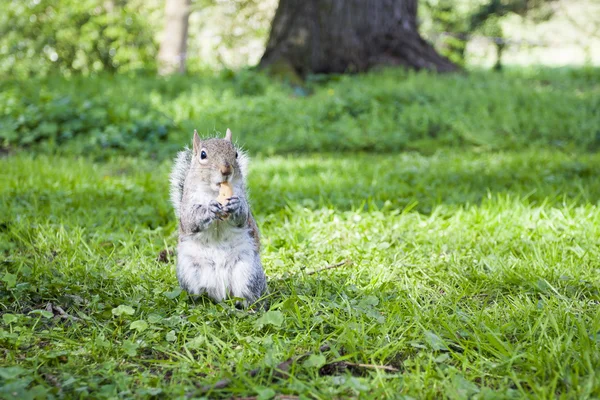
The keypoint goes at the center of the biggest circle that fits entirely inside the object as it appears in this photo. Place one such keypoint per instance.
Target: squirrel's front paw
(215, 210)
(233, 205)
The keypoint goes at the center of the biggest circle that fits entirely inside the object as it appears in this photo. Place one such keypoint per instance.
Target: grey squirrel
(219, 246)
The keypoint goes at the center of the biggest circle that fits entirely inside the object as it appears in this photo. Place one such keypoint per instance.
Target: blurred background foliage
(458, 21)
(86, 70)
(39, 37)
(382, 111)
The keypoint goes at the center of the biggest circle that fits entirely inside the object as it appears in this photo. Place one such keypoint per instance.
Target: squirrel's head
(216, 159)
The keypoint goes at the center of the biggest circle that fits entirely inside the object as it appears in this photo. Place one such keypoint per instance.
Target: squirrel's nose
(226, 169)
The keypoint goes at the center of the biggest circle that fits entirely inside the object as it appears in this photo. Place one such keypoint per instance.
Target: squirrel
(218, 253)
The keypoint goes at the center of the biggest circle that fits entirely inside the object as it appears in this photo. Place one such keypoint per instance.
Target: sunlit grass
(471, 274)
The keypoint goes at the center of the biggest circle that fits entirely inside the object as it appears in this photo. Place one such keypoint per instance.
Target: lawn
(466, 255)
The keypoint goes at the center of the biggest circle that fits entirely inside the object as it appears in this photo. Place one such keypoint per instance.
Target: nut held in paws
(225, 192)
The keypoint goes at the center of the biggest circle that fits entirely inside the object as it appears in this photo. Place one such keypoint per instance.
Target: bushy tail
(178, 174)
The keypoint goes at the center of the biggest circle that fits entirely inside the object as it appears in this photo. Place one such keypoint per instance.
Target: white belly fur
(209, 263)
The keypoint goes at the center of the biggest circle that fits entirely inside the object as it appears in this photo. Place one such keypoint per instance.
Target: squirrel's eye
(203, 155)
(236, 154)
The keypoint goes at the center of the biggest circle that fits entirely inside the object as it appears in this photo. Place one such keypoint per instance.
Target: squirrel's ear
(196, 141)
(228, 134)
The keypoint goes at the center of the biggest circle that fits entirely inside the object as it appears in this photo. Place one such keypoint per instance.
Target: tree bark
(338, 36)
(172, 53)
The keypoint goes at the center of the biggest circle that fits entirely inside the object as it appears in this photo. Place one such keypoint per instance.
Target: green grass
(470, 274)
(388, 111)
(474, 269)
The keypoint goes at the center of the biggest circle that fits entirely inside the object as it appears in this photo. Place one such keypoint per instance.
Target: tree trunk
(337, 36)
(172, 53)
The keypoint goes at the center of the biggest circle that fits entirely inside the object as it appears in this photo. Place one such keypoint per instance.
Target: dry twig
(61, 313)
(336, 265)
(373, 366)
